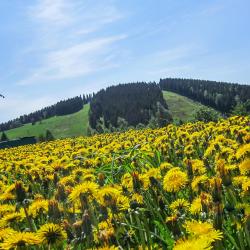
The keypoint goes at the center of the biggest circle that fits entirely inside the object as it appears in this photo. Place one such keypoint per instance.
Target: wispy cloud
(56, 11)
(77, 60)
(64, 46)
(212, 9)
(173, 61)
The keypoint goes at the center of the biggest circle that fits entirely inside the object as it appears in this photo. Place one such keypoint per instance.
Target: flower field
(178, 187)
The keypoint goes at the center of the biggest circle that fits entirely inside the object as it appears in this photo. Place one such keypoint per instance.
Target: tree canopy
(218, 95)
(134, 102)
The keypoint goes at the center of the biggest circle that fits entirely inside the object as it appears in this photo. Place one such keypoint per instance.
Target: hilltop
(181, 108)
(60, 126)
(124, 106)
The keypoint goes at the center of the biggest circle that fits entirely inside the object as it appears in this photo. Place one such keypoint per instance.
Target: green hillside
(61, 126)
(181, 107)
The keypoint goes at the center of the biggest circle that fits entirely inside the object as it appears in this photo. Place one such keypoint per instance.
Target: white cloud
(77, 60)
(63, 46)
(176, 61)
(173, 54)
(52, 11)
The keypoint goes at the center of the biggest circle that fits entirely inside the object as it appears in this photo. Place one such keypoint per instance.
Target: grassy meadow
(181, 107)
(178, 187)
(60, 126)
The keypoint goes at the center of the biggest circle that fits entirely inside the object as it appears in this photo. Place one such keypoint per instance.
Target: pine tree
(49, 136)
(4, 137)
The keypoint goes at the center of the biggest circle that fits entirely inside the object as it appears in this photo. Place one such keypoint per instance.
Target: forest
(136, 103)
(218, 95)
(131, 104)
(63, 107)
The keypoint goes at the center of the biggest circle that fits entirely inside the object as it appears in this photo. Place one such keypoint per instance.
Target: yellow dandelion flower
(88, 177)
(198, 166)
(88, 188)
(239, 180)
(172, 219)
(174, 180)
(179, 204)
(37, 206)
(198, 181)
(7, 196)
(196, 206)
(242, 151)
(246, 185)
(245, 166)
(105, 248)
(67, 181)
(20, 240)
(122, 202)
(138, 198)
(247, 138)
(12, 217)
(151, 173)
(106, 230)
(6, 209)
(51, 234)
(166, 166)
(107, 195)
(6, 232)
(198, 229)
(196, 244)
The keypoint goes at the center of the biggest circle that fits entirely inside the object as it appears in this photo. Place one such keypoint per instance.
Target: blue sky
(55, 49)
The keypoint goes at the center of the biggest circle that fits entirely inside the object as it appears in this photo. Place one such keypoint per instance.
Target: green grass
(181, 107)
(60, 126)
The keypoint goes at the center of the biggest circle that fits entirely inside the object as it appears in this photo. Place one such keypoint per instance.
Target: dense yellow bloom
(246, 185)
(67, 181)
(196, 206)
(245, 166)
(94, 189)
(106, 248)
(194, 243)
(179, 204)
(198, 166)
(38, 206)
(239, 180)
(11, 217)
(88, 188)
(20, 239)
(197, 181)
(138, 198)
(51, 234)
(108, 195)
(166, 165)
(6, 208)
(151, 173)
(105, 230)
(204, 229)
(243, 150)
(174, 180)
(6, 232)
(122, 202)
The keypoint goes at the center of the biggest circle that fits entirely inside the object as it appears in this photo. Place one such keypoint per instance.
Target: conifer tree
(4, 137)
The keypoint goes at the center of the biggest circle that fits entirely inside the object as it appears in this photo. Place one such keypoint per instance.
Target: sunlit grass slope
(60, 126)
(181, 107)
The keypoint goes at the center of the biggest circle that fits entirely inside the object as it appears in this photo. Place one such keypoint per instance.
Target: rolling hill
(181, 108)
(60, 126)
